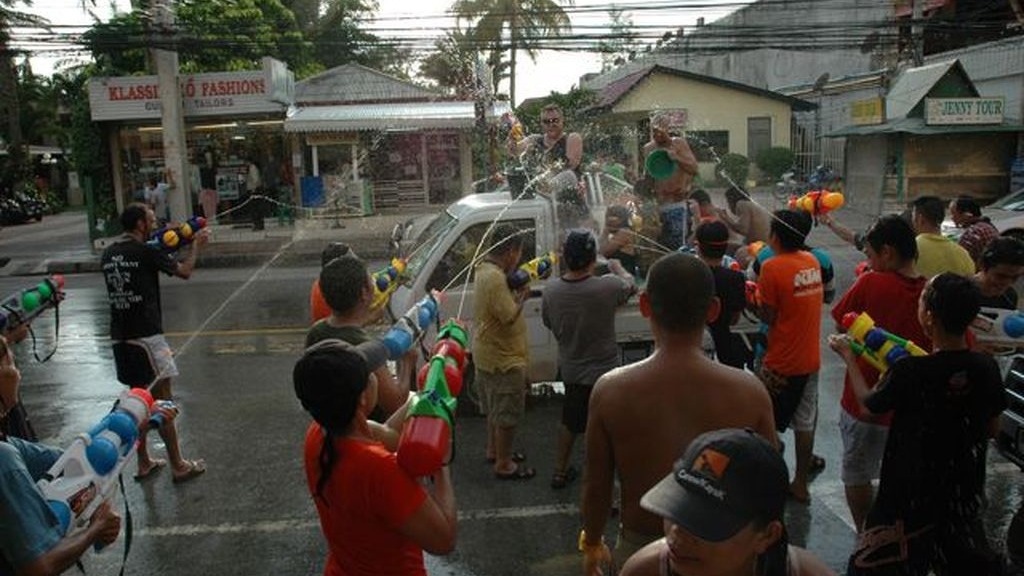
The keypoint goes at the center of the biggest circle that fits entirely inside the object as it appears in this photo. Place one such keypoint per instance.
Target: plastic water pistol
(514, 127)
(385, 281)
(408, 329)
(997, 326)
(877, 346)
(86, 473)
(170, 238)
(537, 269)
(427, 435)
(817, 202)
(25, 305)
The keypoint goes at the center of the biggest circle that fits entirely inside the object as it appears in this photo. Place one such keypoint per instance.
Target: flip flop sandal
(519, 473)
(560, 480)
(817, 465)
(153, 469)
(195, 469)
(517, 457)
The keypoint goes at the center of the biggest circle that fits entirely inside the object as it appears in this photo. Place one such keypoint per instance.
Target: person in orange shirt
(792, 296)
(318, 308)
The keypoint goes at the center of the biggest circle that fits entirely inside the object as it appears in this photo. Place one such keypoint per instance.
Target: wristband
(582, 544)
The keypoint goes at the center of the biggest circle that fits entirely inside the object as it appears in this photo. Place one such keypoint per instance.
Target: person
(851, 237)
(318, 308)
(978, 230)
(156, 198)
(554, 149)
(15, 420)
(888, 293)
(618, 240)
(730, 289)
(31, 541)
(746, 217)
(935, 252)
(375, 517)
(1000, 267)
(131, 272)
(945, 407)
(792, 293)
(346, 286)
(642, 416)
(724, 511)
(672, 191)
(500, 351)
(579, 309)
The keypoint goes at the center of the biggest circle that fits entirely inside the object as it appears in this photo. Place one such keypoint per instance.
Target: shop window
(456, 262)
(708, 145)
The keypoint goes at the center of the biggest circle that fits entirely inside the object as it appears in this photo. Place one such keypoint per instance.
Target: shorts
(504, 395)
(575, 407)
(806, 416)
(143, 361)
(863, 447)
(673, 225)
(786, 391)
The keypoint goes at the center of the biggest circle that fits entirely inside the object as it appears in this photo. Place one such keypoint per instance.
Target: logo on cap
(711, 462)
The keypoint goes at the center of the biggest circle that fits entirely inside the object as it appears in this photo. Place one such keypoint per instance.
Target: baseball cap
(724, 481)
(580, 248)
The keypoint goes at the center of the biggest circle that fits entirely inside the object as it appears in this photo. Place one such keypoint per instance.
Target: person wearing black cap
(730, 288)
(723, 506)
(579, 308)
(375, 517)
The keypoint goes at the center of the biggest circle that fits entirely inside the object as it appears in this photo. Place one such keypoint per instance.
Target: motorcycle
(33, 205)
(12, 212)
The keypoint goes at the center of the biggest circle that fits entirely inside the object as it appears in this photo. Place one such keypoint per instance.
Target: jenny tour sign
(945, 111)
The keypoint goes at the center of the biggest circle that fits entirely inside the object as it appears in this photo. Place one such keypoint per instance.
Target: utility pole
(172, 118)
(917, 33)
(513, 33)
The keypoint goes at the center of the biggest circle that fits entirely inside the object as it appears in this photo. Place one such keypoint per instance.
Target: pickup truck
(441, 257)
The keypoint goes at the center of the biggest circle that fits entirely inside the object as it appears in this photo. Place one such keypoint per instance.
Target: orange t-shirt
(790, 283)
(368, 497)
(318, 308)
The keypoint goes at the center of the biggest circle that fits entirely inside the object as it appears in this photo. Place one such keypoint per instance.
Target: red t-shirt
(790, 283)
(891, 301)
(368, 497)
(318, 307)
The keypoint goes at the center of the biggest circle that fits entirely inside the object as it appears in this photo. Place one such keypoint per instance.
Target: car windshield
(428, 241)
(1013, 201)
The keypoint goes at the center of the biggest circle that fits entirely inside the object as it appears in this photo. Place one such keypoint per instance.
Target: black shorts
(786, 399)
(574, 408)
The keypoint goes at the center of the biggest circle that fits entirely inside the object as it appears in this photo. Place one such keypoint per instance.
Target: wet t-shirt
(791, 284)
(130, 271)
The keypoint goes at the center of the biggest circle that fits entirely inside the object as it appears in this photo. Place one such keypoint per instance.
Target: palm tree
(10, 121)
(528, 22)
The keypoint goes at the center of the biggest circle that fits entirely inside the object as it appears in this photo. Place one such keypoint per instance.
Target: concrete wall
(996, 68)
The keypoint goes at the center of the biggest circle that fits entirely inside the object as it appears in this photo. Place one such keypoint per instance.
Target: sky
(552, 71)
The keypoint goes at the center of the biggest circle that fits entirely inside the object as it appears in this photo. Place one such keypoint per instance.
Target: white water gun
(999, 326)
(86, 474)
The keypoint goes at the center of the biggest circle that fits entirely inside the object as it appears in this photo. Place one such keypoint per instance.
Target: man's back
(130, 270)
(937, 254)
(648, 412)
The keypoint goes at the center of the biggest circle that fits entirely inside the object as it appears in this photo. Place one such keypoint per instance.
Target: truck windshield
(428, 241)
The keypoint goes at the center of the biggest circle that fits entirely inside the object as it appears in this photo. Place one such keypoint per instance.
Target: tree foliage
(451, 66)
(572, 103)
(622, 41)
(340, 37)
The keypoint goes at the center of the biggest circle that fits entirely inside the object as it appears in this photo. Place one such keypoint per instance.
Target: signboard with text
(947, 111)
(868, 112)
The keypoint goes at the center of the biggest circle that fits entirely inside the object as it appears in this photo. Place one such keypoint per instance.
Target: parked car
(1006, 213)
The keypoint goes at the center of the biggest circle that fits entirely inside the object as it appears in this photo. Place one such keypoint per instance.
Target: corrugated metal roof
(918, 127)
(357, 83)
(913, 84)
(397, 116)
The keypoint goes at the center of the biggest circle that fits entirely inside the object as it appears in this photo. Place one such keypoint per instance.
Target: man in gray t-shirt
(579, 309)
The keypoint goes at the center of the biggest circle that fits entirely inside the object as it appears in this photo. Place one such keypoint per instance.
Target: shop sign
(213, 94)
(869, 112)
(939, 111)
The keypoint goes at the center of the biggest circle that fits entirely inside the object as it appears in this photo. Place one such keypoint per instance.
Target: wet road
(238, 333)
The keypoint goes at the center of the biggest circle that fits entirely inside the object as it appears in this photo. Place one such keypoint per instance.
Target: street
(237, 333)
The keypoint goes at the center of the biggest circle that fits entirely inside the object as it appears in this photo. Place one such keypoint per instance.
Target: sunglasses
(551, 120)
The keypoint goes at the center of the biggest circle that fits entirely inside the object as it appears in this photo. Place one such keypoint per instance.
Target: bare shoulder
(612, 384)
(803, 563)
(646, 561)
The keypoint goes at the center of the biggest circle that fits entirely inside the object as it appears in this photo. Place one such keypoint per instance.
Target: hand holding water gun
(408, 329)
(26, 305)
(877, 346)
(539, 268)
(817, 202)
(385, 281)
(514, 127)
(85, 477)
(172, 237)
(426, 440)
(997, 326)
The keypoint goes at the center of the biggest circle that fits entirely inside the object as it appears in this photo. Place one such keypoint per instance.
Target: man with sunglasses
(554, 150)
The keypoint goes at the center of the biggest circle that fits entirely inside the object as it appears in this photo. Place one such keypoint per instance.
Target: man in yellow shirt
(936, 253)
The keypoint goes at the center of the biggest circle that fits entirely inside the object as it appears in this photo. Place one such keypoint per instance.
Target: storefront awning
(398, 116)
(918, 127)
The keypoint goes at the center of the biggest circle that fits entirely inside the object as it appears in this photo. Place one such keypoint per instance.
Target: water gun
(817, 202)
(170, 238)
(86, 474)
(385, 281)
(997, 326)
(875, 345)
(427, 434)
(753, 292)
(25, 305)
(757, 249)
(539, 268)
(410, 327)
(514, 126)
(730, 263)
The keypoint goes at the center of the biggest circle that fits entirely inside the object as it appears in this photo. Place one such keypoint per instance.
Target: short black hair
(680, 288)
(700, 196)
(504, 238)
(579, 249)
(342, 282)
(967, 205)
(931, 208)
(954, 301)
(1002, 250)
(892, 230)
(712, 239)
(334, 250)
(132, 214)
(620, 212)
(734, 194)
(791, 228)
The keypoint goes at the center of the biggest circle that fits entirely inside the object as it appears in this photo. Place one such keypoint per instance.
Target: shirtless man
(673, 191)
(642, 416)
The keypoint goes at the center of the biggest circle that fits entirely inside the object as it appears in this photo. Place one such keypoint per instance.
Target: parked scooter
(33, 205)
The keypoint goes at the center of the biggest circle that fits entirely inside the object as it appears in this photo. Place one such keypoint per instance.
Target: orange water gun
(817, 202)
